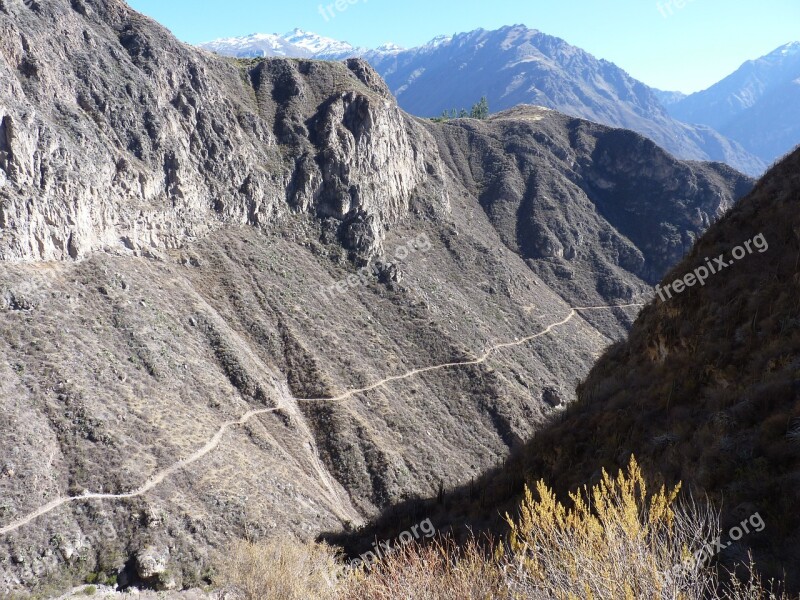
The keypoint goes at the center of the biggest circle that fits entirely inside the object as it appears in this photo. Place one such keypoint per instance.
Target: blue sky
(683, 45)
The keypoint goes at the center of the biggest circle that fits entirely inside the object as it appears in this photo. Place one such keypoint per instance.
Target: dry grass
(615, 541)
(437, 571)
(281, 569)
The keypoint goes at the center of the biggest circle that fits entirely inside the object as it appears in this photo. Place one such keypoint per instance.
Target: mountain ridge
(516, 65)
(756, 105)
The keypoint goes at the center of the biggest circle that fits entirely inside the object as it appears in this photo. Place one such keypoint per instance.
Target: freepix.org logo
(329, 11)
(712, 267)
(692, 564)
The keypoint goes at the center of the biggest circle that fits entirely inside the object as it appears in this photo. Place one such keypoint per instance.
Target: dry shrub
(615, 541)
(435, 571)
(279, 569)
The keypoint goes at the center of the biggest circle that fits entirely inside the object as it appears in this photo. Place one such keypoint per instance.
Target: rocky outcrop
(584, 203)
(139, 143)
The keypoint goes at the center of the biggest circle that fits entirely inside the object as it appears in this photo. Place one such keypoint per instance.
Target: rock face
(186, 239)
(81, 171)
(536, 171)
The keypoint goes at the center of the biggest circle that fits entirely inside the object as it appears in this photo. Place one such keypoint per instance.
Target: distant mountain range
(297, 44)
(758, 105)
(510, 66)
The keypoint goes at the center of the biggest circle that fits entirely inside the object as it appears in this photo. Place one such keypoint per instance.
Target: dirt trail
(148, 485)
(212, 444)
(476, 361)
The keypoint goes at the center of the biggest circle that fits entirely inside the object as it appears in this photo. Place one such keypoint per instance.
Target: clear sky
(683, 45)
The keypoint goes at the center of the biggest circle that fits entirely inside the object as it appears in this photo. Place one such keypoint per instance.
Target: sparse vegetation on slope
(177, 248)
(706, 391)
(615, 541)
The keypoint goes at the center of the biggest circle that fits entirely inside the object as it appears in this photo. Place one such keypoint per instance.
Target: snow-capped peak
(389, 47)
(315, 44)
(268, 38)
(790, 48)
(255, 44)
(438, 41)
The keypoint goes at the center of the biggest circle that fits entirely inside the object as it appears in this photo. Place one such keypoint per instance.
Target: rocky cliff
(205, 145)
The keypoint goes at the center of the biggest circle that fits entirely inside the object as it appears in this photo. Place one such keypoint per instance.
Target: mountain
(667, 99)
(260, 44)
(758, 105)
(317, 45)
(295, 44)
(705, 390)
(244, 298)
(516, 65)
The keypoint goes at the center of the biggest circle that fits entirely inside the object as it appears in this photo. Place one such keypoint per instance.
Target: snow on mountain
(316, 45)
(294, 44)
(389, 48)
(256, 44)
(789, 49)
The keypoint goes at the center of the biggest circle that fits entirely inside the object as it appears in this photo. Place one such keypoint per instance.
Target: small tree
(481, 109)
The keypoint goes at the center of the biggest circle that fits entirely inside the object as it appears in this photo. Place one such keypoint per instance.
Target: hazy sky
(683, 45)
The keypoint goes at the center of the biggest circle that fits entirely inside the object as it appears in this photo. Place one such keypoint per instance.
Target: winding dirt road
(476, 361)
(212, 443)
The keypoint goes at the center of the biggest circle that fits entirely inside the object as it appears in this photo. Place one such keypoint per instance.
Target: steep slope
(186, 335)
(516, 65)
(205, 146)
(536, 172)
(758, 105)
(714, 375)
(706, 390)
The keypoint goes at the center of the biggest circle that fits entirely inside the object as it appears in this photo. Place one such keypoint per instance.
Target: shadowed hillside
(706, 390)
